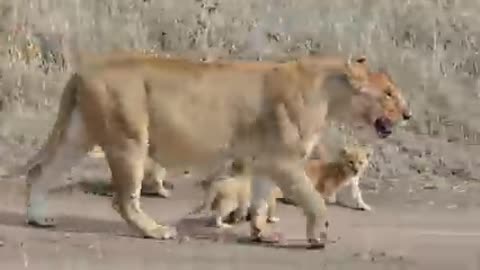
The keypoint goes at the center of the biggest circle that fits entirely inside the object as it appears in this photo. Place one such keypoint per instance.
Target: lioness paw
(43, 222)
(164, 193)
(223, 225)
(162, 233)
(364, 207)
(316, 243)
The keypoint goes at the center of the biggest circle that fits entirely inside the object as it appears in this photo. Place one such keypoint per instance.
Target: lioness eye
(388, 93)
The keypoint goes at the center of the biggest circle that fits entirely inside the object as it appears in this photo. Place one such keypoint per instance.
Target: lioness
(197, 114)
(329, 177)
(231, 192)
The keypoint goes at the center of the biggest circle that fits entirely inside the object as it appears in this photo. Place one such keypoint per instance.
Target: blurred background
(429, 47)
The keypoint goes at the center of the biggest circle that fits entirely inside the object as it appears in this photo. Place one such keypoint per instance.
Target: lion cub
(329, 177)
(231, 192)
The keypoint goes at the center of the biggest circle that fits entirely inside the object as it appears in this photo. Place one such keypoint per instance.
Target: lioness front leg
(294, 183)
(126, 161)
(261, 190)
(241, 212)
(271, 209)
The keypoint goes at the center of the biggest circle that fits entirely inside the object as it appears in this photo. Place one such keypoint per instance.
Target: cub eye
(388, 92)
(351, 163)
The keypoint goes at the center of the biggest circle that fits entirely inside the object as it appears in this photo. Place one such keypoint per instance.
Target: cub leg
(224, 207)
(357, 195)
(154, 182)
(210, 194)
(241, 212)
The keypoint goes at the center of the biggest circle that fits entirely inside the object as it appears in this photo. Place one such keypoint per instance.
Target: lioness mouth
(383, 127)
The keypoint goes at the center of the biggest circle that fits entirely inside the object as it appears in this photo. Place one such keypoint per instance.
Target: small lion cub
(230, 192)
(329, 177)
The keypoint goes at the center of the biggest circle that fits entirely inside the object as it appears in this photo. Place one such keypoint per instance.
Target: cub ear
(361, 59)
(355, 60)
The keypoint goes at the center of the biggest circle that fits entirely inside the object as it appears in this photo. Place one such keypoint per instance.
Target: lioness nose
(407, 115)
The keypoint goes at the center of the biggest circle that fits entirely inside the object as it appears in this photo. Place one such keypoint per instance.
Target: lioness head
(355, 158)
(377, 99)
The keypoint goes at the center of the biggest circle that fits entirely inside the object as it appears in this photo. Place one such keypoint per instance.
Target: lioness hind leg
(46, 175)
(126, 162)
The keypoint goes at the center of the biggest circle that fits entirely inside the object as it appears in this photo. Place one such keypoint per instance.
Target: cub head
(377, 100)
(241, 166)
(355, 158)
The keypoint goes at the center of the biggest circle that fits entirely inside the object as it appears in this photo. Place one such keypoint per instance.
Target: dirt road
(90, 235)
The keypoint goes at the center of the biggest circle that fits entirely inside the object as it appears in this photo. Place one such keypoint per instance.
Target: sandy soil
(401, 233)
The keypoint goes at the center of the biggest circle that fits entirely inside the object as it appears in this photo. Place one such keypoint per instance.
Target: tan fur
(329, 177)
(231, 192)
(154, 182)
(196, 115)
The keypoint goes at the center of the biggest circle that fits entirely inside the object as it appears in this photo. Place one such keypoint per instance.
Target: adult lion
(195, 115)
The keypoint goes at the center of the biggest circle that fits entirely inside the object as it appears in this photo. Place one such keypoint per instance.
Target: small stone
(67, 235)
(183, 239)
(430, 186)
(363, 256)
(452, 206)
(2, 243)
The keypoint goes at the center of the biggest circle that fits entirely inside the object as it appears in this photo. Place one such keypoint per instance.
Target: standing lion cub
(232, 192)
(330, 177)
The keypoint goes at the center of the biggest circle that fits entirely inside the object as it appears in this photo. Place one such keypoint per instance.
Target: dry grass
(429, 47)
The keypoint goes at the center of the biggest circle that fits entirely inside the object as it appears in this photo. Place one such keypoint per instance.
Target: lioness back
(167, 96)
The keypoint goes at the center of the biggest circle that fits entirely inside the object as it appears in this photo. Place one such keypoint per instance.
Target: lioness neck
(331, 79)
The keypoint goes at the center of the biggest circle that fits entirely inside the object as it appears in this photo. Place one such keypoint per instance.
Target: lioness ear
(361, 59)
